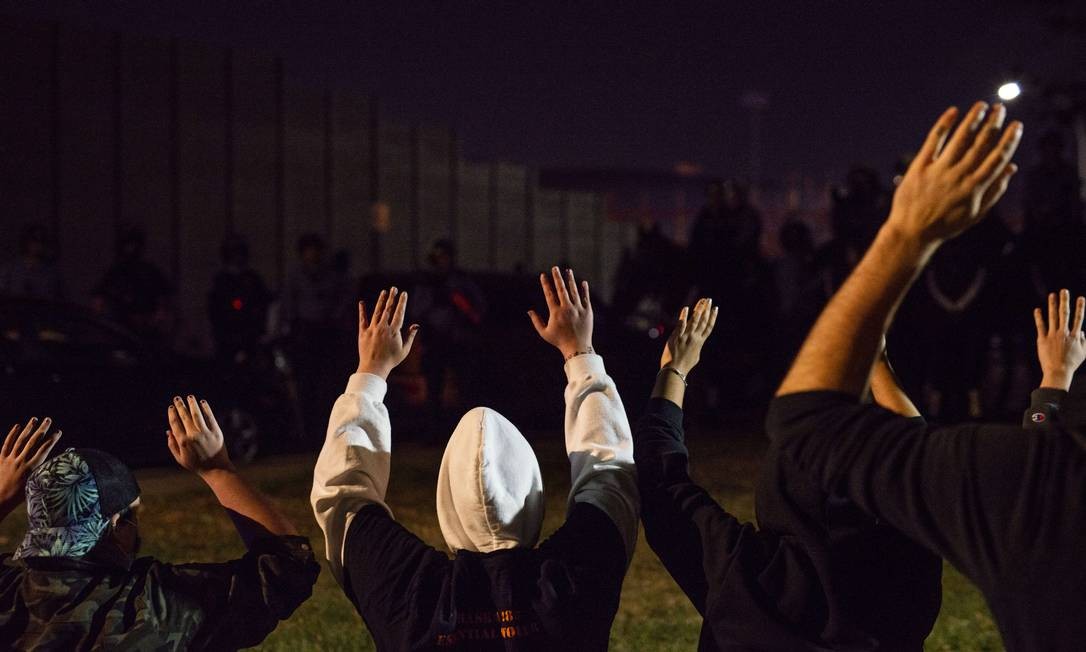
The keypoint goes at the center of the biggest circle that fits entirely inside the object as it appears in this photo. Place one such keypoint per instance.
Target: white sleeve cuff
(580, 366)
(371, 386)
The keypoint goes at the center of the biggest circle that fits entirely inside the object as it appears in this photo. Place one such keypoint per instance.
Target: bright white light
(1009, 91)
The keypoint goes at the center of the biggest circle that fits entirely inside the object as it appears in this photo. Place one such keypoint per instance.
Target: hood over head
(489, 488)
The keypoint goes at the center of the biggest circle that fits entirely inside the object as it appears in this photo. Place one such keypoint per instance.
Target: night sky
(623, 85)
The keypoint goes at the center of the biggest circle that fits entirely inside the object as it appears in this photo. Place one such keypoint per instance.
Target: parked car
(105, 388)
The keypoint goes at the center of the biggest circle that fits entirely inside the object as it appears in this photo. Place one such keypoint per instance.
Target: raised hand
(683, 349)
(22, 451)
(381, 345)
(950, 185)
(1061, 345)
(569, 321)
(196, 442)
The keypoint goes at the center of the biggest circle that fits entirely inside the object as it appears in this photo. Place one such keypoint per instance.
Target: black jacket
(1004, 504)
(818, 575)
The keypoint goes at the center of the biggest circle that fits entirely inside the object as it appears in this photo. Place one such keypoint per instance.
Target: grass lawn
(181, 522)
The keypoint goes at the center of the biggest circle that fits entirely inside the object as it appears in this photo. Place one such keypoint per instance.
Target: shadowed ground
(181, 521)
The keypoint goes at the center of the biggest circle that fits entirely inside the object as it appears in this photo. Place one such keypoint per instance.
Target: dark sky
(640, 84)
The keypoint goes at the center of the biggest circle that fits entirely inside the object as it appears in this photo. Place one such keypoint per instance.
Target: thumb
(537, 322)
(412, 331)
(171, 443)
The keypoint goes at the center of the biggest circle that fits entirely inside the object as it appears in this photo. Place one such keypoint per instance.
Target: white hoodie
(489, 487)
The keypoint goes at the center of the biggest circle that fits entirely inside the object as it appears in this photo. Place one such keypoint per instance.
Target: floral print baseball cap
(71, 500)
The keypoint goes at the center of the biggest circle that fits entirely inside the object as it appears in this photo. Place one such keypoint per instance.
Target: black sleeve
(242, 601)
(685, 527)
(975, 494)
(381, 560)
(1044, 408)
(580, 578)
(588, 539)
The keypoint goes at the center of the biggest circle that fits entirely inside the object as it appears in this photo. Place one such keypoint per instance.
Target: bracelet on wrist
(675, 371)
(587, 351)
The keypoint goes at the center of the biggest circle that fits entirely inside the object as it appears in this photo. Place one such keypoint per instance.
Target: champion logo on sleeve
(1038, 417)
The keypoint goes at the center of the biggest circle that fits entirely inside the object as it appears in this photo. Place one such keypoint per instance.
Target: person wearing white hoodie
(500, 591)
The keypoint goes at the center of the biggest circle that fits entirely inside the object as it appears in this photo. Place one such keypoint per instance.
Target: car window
(69, 337)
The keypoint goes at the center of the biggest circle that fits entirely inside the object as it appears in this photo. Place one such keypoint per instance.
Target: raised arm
(945, 191)
(1061, 348)
(694, 537)
(23, 450)
(887, 390)
(242, 600)
(683, 351)
(927, 483)
(353, 467)
(598, 439)
(196, 443)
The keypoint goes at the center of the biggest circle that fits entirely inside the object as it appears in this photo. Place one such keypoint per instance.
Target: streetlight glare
(1009, 91)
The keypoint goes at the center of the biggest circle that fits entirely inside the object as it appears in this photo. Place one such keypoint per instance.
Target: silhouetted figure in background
(799, 291)
(135, 292)
(33, 274)
(859, 208)
(450, 308)
(962, 306)
(725, 240)
(648, 282)
(309, 304)
(238, 303)
(727, 265)
(1014, 340)
(1054, 230)
(345, 312)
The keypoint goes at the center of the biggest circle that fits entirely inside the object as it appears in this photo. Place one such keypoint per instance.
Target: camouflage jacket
(74, 604)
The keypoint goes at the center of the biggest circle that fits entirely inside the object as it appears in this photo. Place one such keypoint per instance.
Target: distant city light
(1009, 91)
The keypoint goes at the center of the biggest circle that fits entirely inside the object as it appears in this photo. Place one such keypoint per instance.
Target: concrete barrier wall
(352, 178)
(434, 191)
(202, 169)
(191, 142)
(398, 237)
(474, 213)
(548, 229)
(27, 112)
(256, 162)
(87, 181)
(511, 218)
(146, 144)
